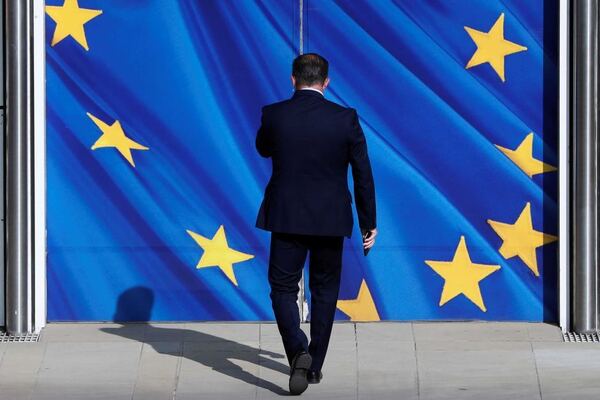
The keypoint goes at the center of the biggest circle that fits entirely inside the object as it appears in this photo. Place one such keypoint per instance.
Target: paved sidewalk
(245, 361)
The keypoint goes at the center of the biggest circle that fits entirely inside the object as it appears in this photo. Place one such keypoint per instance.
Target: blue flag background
(154, 181)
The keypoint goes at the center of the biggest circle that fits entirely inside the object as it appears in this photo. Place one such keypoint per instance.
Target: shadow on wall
(135, 305)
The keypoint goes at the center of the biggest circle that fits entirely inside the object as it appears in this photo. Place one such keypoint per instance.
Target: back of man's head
(310, 69)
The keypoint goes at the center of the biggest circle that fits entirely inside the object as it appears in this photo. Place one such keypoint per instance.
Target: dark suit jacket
(311, 142)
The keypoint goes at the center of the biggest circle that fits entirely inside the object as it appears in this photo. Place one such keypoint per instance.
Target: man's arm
(263, 142)
(364, 187)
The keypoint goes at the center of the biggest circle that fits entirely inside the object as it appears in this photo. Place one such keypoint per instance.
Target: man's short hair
(310, 68)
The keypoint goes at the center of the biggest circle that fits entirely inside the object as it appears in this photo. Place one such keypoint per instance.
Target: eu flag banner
(154, 181)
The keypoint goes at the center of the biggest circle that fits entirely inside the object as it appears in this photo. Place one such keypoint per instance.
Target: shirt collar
(309, 88)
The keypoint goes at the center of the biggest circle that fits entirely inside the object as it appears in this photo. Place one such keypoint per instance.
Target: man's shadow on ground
(135, 304)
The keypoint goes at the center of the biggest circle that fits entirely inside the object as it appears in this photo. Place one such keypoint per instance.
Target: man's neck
(310, 88)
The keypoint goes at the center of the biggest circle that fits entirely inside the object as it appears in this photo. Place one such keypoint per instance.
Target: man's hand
(371, 239)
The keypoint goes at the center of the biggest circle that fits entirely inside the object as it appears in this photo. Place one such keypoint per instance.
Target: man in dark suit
(307, 208)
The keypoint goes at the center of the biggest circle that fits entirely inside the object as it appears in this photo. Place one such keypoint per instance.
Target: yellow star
(70, 20)
(461, 276)
(492, 47)
(362, 308)
(218, 253)
(113, 136)
(520, 239)
(523, 157)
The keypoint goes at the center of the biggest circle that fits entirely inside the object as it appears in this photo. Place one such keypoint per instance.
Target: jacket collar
(307, 92)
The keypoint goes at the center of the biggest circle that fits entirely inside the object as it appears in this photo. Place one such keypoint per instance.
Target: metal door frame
(25, 161)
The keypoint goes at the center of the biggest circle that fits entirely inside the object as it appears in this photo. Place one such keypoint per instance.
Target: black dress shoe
(314, 376)
(299, 368)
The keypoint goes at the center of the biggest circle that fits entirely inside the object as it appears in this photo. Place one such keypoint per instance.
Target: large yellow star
(218, 253)
(362, 308)
(461, 276)
(70, 20)
(113, 136)
(523, 157)
(520, 239)
(492, 47)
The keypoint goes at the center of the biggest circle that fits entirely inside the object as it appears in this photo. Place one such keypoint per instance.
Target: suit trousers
(288, 253)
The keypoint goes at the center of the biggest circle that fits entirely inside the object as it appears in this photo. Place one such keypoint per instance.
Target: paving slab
(389, 360)
(161, 332)
(387, 368)
(157, 371)
(470, 331)
(340, 373)
(2, 350)
(19, 369)
(544, 333)
(568, 370)
(206, 332)
(477, 370)
(219, 375)
(385, 331)
(100, 370)
(92, 332)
